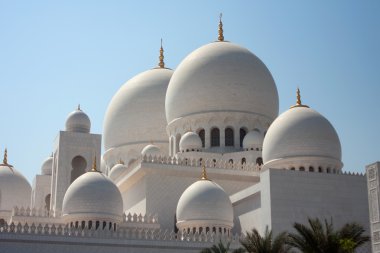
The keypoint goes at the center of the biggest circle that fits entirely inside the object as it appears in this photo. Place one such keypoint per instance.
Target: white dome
(190, 141)
(47, 166)
(301, 133)
(78, 121)
(92, 196)
(204, 203)
(252, 140)
(221, 77)
(137, 111)
(151, 150)
(116, 171)
(15, 190)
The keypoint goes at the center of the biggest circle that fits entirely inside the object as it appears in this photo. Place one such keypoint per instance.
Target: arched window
(302, 169)
(243, 161)
(319, 169)
(201, 134)
(229, 137)
(79, 165)
(231, 161)
(243, 132)
(90, 224)
(311, 169)
(259, 161)
(215, 137)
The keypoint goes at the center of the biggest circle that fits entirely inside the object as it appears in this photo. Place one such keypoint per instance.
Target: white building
(219, 108)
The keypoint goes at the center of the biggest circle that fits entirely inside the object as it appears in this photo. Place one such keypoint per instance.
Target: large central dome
(221, 77)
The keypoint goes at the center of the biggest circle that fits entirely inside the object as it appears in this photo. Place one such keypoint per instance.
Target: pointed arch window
(229, 137)
(215, 137)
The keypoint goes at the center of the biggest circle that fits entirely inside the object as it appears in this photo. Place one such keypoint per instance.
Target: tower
(74, 149)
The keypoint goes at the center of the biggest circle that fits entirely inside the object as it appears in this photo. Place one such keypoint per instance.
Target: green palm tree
(322, 238)
(220, 248)
(351, 237)
(255, 243)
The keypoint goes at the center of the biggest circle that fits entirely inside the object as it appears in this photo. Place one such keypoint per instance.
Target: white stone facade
(148, 193)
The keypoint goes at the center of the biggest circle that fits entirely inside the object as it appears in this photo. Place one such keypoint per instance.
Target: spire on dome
(161, 63)
(5, 160)
(94, 165)
(299, 103)
(204, 173)
(78, 108)
(220, 30)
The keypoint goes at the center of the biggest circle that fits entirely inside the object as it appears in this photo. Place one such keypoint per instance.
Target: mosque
(191, 156)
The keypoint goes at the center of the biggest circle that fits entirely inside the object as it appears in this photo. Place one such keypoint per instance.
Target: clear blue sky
(56, 54)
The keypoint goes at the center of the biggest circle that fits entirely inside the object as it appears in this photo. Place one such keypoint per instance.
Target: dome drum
(206, 122)
(306, 163)
(205, 226)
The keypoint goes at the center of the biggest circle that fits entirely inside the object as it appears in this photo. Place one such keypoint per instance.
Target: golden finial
(94, 165)
(161, 63)
(121, 161)
(204, 173)
(220, 30)
(299, 103)
(78, 108)
(5, 160)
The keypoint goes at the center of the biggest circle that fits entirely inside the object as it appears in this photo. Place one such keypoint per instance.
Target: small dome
(151, 150)
(204, 204)
(92, 196)
(15, 190)
(252, 140)
(78, 121)
(190, 141)
(47, 166)
(117, 170)
(221, 77)
(301, 134)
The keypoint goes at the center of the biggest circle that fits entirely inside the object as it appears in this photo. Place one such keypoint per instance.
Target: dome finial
(220, 30)
(161, 63)
(204, 173)
(299, 103)
(121, 161)
(5, 160)
(94, 165)
(78, 108)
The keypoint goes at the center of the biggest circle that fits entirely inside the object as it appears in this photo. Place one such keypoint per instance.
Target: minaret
(74, 151)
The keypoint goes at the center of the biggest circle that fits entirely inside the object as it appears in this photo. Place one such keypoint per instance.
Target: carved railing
(139, 218)
(32, 212)
(209, 163)
(120, 233)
